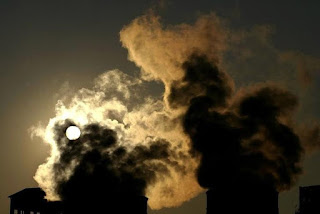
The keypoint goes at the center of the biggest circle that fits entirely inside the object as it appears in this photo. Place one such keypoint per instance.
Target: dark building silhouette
(309, 200)
(108, 205)
(32, 201)
(248, 199)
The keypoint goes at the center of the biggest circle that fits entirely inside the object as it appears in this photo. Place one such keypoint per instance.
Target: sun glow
(73, 132)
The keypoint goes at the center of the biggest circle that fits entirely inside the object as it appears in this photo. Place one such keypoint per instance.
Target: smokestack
(249, 199)
(309, 198)
(111, 204)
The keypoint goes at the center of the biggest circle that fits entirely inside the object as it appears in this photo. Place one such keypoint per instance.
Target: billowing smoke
(201, 78)
(160, 51)
(130, 144)
(248, 140)
(242, 135)
(98, 161)
(201, 131)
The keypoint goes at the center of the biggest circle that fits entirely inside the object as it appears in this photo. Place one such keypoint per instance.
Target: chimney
(108, 205)
(309, 198)
(242, 199)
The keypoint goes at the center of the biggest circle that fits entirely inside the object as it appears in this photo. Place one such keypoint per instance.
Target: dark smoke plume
(201, 78)
(102, 168)
(249, 139)
(238, 136)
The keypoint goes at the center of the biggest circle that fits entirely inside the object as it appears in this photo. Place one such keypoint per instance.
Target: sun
(73, 132)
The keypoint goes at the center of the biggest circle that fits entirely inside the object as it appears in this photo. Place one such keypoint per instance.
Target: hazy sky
(48, 44)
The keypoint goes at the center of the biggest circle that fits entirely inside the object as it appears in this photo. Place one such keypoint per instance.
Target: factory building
(32, 201)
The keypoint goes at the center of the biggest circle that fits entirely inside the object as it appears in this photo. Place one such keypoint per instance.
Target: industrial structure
(309, 200)
(32, 201)
(250, 199)
(242, 199)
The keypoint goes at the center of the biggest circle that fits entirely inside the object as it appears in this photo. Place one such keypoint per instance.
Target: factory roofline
(34, 190)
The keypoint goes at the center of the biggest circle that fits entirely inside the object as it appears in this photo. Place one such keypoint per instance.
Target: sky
(53, 48)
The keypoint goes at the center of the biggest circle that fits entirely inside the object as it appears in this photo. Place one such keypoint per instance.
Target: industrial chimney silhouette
(108, 205)
(309, 198)
(248, 198)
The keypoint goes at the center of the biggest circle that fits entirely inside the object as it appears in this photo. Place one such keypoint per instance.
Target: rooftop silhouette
(32, 201)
